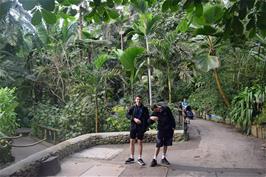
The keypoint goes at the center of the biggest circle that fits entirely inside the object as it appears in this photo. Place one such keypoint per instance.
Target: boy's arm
(172, 118)
(154, 118)
(129, 114)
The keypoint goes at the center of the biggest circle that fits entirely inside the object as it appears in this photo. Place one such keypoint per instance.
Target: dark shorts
(164, 138)
(136, 133)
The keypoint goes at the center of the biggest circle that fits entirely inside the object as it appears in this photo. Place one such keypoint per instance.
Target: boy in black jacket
(166, 126)
(139, 115)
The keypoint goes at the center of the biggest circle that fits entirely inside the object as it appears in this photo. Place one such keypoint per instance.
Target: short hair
(138, 96)
(154, 107)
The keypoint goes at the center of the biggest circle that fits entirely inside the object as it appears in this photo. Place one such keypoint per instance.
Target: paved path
(215, 150)
(23, 152)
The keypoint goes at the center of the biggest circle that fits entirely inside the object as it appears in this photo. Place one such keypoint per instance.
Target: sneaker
(129, 160)
(141, 162)
(165, 161)
(153, 162)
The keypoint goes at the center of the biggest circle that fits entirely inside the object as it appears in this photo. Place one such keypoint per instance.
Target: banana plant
(128, 61)
(211, 62)
(204, 20)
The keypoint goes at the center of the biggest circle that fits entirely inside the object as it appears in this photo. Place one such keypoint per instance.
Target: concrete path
(214, 150)
(23, 152)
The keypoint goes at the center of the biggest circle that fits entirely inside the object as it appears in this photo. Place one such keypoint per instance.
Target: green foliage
(128, 58)
(261, 118)
(8, 104)
(28, 4)
(36, 18)
(146, 24)
(78, 117)
(100, 60)
(207, 63)
(183, 26)
(48, 17)
(212, 13)
(206, 99)
(47, 4)
(75, 118)
(77, 78)
(46, 115)
(5, 151)
(244, 105)
(118, 121)
(170, 4)
(4, 8)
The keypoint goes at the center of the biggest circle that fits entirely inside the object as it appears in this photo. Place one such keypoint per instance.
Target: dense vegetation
(76, 64)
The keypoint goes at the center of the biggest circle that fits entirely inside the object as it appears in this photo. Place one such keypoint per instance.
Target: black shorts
(136, 133)
(164, 138)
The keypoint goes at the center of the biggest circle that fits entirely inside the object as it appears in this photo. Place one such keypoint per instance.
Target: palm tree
(164, 47)
(145, 26)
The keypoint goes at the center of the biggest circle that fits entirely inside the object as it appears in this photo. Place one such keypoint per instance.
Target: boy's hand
(137, 121)
(154, 118)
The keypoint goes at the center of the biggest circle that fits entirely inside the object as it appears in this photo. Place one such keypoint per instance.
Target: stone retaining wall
(30, 166)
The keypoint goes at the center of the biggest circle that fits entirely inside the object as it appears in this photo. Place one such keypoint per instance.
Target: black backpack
(189, 114)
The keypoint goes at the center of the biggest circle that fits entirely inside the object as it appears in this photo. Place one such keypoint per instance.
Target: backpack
(189, 114)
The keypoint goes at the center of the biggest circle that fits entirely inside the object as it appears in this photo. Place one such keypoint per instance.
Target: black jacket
(144, 117)
(166, 120)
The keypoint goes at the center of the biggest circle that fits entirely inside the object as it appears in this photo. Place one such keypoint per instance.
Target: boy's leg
(164, 152)
(140, 136)
(140, 148)
(164, 160)
(154, 160)
(156, 152)
(132, 148)
(168, 140)
(159, 144)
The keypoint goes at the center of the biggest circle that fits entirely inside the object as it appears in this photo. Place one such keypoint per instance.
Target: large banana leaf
(128, 58)
(208, 63)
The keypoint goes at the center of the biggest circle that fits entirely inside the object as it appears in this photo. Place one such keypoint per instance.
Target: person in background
(139, 115)
(166, 126)
(184, 104)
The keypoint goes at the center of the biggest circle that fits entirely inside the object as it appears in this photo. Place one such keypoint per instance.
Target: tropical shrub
(5, 152)
(206, 99)
(45, 115)
(74, 119)
(8, 104)
(261, 118)
(118, 121)
(78, 117)
(244, 106)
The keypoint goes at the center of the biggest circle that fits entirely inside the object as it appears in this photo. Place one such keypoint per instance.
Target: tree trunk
(105, 92)
(169, 84)
(212, 52)
(132, 90)
(80, 30)
(96, 113)
(121, 40)
(149, 70)
(220, 89)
